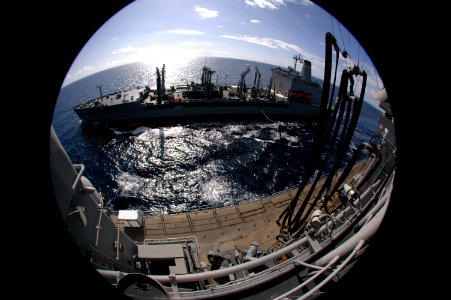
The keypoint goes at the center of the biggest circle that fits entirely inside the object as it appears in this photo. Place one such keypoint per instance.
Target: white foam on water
(177, 207)
(117, 132)
(148, 135)
(133, 185)
(127, 182)
(139, 130)
(264, 141)
(173, 131)
(216, 190)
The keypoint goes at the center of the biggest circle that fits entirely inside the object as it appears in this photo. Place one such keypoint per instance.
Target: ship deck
(134, 94)
(120, 97)
(226, 228)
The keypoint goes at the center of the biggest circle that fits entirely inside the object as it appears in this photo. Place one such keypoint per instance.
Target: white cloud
(275, 4)
(373, 78)
(255, 21)
(184, 31)
(271, 4)
(268, 42)
(317, 62)
(192, 43)
(115, 38)
(322, 44)
(307, 15)
(205, 13)
(220, 26)
(127, 49)
(303, 2)
(82, 72)
(85, 69)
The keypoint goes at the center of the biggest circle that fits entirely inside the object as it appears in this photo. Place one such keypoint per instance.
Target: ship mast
(256, 87)
(99, 86)
(163, 75)
(242, 82)
(296, 59)
(159, 95)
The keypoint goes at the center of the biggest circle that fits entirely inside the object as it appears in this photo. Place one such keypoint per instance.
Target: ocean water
(180, 167)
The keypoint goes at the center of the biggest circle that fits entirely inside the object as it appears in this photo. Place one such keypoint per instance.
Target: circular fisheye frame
(200, 150)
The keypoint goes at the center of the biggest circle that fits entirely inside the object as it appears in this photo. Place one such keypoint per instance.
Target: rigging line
(332, 23)
(339, 27)
(267, 117)
(358, 56)
(364, 57)
(337, 56)
(363, 68)
(349, 40)
(377, 81)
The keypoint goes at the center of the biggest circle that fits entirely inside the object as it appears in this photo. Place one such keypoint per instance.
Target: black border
(58, 32)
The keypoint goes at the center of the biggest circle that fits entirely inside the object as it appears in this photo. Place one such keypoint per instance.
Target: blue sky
(270, 31)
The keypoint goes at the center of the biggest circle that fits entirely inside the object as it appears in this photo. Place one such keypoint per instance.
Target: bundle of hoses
(293, 219)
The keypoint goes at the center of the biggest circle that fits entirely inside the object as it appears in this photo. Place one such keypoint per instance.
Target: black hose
(337, 56)
(342, 97)
(315, 153)
(295, 229)
(352, 126)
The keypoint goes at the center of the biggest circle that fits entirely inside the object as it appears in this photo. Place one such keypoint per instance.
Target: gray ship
(290, 245)
(291, 95)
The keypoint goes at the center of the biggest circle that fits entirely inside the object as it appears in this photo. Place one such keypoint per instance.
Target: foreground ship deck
(217, 252)
(222, 229)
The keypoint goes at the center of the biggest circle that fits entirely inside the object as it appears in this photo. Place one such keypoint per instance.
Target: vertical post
(117, 244)
(158, 86)
(100, 89)
(163, 75)
(173, 281)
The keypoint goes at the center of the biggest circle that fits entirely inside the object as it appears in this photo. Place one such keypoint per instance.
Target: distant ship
(290, 95)
(290, 245)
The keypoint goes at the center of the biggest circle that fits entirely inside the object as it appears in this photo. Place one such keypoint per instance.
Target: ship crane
(242, 81)
(163, 75)
(256, 87)
(159, 94)
(206, 79)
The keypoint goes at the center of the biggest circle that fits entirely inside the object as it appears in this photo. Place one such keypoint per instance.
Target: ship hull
(148, 113)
